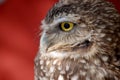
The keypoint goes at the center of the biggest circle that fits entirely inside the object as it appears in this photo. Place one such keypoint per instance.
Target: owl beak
(44, 43)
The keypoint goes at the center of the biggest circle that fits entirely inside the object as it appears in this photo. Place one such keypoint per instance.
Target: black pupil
(67, 26)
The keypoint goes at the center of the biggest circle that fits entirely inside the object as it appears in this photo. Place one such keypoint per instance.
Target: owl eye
(66, 26)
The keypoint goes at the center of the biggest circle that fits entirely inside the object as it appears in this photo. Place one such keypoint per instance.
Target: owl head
(80, 28)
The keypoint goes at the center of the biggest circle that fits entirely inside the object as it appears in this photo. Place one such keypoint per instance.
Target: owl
(80, 40)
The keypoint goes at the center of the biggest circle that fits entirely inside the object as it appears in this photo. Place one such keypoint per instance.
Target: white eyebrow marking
(62, 19)
(56, 21)
(69, 18)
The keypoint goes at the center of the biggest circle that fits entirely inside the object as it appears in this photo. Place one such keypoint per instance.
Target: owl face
(76, 30)
(68, 33)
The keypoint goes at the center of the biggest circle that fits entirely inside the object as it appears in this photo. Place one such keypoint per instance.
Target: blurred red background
(19, 36)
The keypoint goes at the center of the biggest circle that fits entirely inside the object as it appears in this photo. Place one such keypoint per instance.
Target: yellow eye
(66, 26)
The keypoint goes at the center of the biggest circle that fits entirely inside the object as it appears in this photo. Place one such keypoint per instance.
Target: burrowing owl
(80, 41)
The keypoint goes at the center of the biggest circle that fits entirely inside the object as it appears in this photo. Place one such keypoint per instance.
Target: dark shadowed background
(19, 36)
